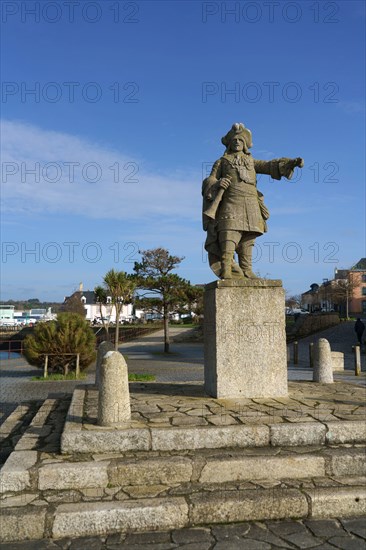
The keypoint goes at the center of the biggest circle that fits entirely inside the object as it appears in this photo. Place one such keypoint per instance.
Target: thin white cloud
(124, 188)
(351, 107)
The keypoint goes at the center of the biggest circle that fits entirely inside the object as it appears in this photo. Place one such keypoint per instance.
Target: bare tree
(341, 292)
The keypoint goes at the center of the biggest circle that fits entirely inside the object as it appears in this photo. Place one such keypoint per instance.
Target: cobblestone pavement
(343, 534)
(183, 364)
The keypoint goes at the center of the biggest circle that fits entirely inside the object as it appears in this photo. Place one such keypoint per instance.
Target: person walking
(359, 330)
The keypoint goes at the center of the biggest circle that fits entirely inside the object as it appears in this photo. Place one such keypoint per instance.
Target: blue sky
(129, 104)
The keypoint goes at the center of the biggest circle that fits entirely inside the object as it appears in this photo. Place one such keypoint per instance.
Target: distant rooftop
(360, 266)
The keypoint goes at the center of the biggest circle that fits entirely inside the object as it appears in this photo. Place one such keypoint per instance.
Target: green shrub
(69, 334)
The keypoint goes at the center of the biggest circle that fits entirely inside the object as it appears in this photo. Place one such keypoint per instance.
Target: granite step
(195, 505)
(296, 470)
(206, 423)
(14, 424)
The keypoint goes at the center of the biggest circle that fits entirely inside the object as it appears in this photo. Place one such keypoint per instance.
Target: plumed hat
(238, 130)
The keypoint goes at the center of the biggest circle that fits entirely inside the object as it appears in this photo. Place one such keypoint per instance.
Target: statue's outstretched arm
(278, 168)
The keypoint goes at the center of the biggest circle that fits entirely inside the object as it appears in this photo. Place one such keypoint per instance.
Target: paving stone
(323, 528)
(116, 538)
(303, 540)
(31, 545)
(225, 532)
(202, 545)
(151, 537)
(189, 421)
(357, 526)
(156, 546)
(261, 534)
(63, 496)
(345, 543)
(19, 500)
(145, 491)
(86, 543)
(282, 528)
(194, 535)
(232, 544)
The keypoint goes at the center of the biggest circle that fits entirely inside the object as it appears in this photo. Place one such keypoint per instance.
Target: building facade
(346, 293)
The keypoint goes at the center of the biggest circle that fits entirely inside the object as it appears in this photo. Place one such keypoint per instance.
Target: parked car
(297, 311)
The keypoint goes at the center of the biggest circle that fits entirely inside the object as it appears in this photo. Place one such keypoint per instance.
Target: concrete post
(323, 367)
(114, 397)
(77, 368)
(296, 352)
(45, 369)
(357, 351)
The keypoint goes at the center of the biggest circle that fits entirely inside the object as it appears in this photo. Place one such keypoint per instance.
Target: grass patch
(53, 377)
(141, 377)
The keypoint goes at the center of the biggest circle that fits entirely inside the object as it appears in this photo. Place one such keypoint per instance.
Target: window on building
(364, 307)
(364, 278)
(364, 291)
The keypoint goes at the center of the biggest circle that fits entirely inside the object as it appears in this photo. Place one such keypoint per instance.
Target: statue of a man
(234, 213)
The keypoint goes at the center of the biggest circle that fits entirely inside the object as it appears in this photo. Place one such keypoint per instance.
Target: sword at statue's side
(210, 212)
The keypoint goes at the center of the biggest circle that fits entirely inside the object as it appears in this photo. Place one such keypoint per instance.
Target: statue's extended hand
(224, 183)
(298, 162)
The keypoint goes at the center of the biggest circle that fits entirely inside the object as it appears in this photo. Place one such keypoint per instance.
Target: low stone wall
(309, 324)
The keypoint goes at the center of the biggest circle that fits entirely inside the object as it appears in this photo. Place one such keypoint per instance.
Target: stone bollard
(357, 352)
(337, 361)
(296, 352)
(114, 397)
(323, 367)
(102, 350)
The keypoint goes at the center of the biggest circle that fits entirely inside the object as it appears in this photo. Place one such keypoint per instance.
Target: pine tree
(69, 334)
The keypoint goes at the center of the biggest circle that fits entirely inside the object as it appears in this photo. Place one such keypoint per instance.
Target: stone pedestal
(245, 339)
(337, 360)
(323, 366)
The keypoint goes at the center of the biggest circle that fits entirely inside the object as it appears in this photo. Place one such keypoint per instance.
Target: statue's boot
(245, 252)
(227, 257)
(226, 265)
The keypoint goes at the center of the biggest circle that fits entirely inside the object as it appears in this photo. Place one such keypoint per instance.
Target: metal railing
(12, 346)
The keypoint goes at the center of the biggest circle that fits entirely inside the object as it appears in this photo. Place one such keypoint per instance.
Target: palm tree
(121, 287)
(101, 298)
